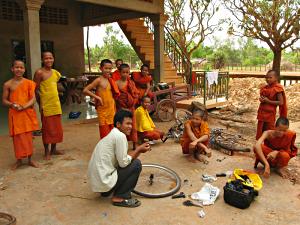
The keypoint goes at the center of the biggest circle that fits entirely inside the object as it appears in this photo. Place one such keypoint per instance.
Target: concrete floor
(58, 194)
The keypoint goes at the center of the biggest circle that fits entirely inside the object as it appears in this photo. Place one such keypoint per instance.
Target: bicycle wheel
(7, 219)
(165, 110)
(182, 115)
(157, 181)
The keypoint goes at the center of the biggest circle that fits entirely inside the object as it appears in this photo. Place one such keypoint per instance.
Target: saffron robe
(266, 114)
(141, 83)
(116, 75)
(128, 98)
(22, 123)
(107, 111)
(286, 147)
(198, 132)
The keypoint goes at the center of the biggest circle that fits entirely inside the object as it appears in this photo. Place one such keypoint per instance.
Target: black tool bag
(239, 195)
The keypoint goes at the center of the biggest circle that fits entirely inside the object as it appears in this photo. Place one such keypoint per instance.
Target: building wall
(67, 39)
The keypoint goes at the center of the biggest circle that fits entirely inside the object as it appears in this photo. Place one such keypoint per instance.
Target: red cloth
(151, 135)
(267, 112)
(263, 126)
(194, 78)
(23, 145)
(105, 129)
(128, 98)
(52, 131)
(116, 75)
(286, 147)
(141, 83)
(114, 87)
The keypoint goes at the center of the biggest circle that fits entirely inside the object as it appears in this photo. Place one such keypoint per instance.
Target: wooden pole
(87, 47)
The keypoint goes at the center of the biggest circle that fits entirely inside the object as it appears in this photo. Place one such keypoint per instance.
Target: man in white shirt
(112, 169)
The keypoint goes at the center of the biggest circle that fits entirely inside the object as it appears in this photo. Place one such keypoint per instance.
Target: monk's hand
(99, 101)
(262, 99)
(145, 147)
(272, 155)
(193, 144)
(267, 171)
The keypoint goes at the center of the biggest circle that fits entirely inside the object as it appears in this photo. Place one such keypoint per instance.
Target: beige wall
(68, 41)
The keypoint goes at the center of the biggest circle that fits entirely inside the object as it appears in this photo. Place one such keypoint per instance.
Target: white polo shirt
(109, 154)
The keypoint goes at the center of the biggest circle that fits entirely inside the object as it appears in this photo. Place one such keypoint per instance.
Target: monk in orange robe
(128, 98)
(276, 147)
(271, 96)
(106, 91)
(116, 75)
(46, 80)
(195, 138)
(19, 96)
(142, 81)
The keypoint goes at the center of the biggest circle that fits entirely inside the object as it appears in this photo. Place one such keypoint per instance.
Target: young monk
(271, 96)
(196, 137)
(276, 147)
(142, 81)
(46, 80)
(116, 74)
(19, 96)
(128, 98)
(106, 91)
(144, 124)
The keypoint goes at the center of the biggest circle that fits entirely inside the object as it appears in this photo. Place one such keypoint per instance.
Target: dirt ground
(58, 194)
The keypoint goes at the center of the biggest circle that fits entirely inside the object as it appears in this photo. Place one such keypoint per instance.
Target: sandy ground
(58, 194)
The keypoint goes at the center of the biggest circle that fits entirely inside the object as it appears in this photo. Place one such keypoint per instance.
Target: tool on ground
(180, 195)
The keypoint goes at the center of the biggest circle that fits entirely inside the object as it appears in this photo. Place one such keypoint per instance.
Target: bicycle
(157, 181)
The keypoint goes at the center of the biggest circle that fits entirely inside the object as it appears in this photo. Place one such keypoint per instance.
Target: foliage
(276, 23)
(113, 48)
(190, 21)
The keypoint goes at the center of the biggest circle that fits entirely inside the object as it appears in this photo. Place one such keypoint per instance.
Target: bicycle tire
(163, 194)
(233, 148)
(160, 109)
(11, 220)
(179, 118)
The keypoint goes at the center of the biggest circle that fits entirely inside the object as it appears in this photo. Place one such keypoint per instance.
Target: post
(31, 16)
(159, 21)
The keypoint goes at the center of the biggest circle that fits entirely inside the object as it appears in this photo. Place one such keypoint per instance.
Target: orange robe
(266, 114)
(286, 147)
(22, 123)
(107, 111)
(128, 98)
(116, 75)
(141, 83)
(151, 134)
(198, 132)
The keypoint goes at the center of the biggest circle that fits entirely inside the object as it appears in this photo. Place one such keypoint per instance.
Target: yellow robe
(143, 120)
(49, 97)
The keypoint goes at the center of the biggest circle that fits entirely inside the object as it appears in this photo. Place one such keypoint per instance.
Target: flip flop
(130, 203)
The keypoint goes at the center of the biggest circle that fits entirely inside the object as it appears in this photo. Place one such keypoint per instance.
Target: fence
(261, 68)
(201, 87)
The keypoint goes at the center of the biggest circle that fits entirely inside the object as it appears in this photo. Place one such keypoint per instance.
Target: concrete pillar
(31, 16)
(159, 21)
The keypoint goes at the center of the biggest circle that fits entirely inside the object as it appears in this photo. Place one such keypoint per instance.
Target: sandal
(130, 203)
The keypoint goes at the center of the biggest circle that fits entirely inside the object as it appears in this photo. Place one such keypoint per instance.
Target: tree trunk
(277, 61)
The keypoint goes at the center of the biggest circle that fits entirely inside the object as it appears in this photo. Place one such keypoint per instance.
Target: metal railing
(202, 88)
(179, 59)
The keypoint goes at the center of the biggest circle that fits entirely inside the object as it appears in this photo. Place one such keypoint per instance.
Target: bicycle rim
(165, 182)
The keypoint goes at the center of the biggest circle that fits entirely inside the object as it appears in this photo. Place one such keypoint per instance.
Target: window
(53, 15)
(18, 48)
(10, 10)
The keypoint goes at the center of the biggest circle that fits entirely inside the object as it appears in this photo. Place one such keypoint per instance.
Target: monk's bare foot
(191, 159)
(33, 164)
(207, 152)
(267, 172)
(57, 152)
(201, 158)
(282, 172)
(47, 157)
(16, 165)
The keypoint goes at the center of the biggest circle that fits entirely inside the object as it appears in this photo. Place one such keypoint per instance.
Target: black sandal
(130, 203)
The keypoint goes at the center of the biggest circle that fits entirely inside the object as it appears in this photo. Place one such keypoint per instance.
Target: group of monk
(20, 95)
(275, 144)
(119, 90)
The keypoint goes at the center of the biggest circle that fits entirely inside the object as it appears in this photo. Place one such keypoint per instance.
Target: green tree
(275, 22)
